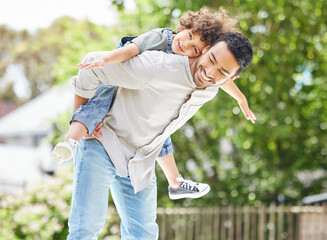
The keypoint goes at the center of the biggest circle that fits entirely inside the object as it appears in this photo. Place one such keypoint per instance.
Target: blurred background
(277, 164)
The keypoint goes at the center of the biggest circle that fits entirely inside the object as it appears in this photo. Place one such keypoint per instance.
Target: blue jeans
(94, 175)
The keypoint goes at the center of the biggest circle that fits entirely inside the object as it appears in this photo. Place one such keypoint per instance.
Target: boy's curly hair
(210, 25)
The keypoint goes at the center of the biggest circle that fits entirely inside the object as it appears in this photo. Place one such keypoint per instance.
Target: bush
(42, 211)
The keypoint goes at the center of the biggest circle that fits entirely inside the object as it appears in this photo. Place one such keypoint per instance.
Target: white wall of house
(23, 158)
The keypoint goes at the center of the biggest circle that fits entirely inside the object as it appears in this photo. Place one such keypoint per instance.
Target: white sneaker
(188, 189)
(64, 151)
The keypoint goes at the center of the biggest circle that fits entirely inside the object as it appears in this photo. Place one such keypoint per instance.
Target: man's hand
(248, 114)
(96, 134)
(98, 63)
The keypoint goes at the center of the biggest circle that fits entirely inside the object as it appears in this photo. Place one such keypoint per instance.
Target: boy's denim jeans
(94, 175)
(91, 113)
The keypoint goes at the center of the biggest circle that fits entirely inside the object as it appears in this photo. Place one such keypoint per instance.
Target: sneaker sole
(61, 150)
(190, 195)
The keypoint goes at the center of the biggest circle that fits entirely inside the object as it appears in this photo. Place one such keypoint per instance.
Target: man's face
(215, 67)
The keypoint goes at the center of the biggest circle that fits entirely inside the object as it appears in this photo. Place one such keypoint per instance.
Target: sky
(34, 14)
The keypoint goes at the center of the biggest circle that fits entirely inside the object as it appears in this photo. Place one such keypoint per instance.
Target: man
(156, 94)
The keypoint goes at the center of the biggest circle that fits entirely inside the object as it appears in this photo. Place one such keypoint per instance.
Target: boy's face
(215, 67)
(188, 44)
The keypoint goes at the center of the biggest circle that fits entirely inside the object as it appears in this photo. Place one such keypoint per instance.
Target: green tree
(51, 54)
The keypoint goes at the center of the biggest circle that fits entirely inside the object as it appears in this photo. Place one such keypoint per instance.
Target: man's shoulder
(164, 55)
(160, 58)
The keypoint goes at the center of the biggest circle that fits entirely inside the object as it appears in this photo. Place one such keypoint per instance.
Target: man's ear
(205, 49)
(233, 78)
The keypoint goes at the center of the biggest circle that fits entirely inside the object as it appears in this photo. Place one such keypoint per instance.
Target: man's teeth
(205, 78)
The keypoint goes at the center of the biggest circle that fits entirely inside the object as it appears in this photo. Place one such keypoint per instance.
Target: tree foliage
(50, 55)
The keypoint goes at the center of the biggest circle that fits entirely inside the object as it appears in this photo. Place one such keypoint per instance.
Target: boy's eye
(190, 34)
(195, 50)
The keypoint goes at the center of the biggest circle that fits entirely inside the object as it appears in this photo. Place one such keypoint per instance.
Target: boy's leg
(137, 211)
(168, 166)
(178, 187)
(76, 131)
(93, 174)
(84, 120)
(167, 148)
(91, 113)
(167, 163)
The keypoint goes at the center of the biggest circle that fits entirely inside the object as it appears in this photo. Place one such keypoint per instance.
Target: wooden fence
(244, 223)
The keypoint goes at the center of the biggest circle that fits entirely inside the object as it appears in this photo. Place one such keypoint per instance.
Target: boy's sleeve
(152, 40)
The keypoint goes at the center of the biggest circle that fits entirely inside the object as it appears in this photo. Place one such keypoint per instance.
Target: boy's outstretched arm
(115, 56)
(235, 92)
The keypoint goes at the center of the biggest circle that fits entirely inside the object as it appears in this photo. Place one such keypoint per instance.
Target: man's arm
(236, 93)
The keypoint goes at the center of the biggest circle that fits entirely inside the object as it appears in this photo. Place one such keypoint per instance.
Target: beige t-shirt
(156, 95)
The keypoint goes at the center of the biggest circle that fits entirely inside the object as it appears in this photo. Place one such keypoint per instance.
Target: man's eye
(221, 73)
(210, 60)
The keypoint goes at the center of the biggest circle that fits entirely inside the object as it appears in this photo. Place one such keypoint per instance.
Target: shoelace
(188, 184)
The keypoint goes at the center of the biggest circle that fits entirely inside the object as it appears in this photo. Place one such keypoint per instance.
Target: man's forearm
(79, 101)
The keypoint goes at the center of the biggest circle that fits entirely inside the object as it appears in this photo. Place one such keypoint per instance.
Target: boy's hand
(95, 64)
(248, 114)
(96, 134)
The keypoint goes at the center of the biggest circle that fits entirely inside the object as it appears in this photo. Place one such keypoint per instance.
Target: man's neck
(192, 64)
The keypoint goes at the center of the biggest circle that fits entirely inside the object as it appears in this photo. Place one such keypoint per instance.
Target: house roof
(315, 198)
(34, 117)
(6, 106)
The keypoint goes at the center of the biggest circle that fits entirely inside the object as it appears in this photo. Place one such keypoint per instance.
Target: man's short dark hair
(240, 47)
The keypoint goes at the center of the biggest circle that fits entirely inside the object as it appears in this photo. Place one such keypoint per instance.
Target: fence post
(262, 223)
(216, 223)
(191, 224)
(318, 217)
(238, 223)
(253, 223)
(230, 222)
(271, 223)
(246, 223)
(280, 220)
(290, 223)
(324, 220)
(223, 220)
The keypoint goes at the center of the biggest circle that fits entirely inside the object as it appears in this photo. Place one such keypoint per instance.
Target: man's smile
(204, 77)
